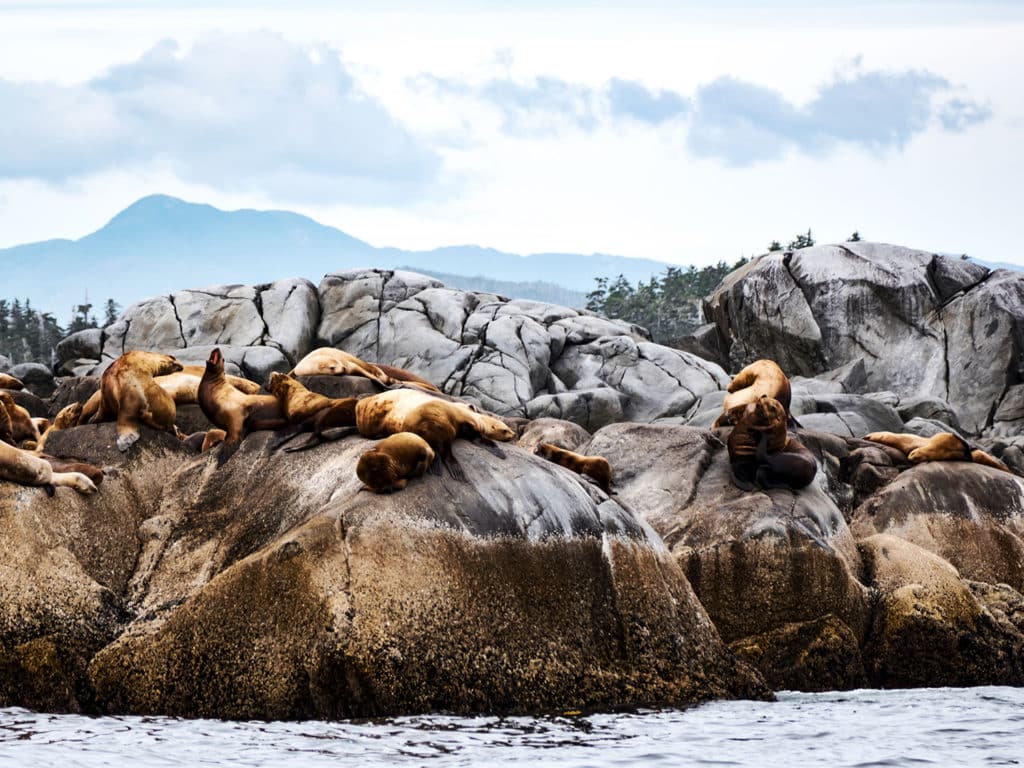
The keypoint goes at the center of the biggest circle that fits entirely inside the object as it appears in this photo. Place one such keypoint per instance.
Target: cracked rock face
(923, 325)
(274, 588)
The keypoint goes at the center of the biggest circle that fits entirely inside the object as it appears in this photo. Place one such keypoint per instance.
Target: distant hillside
(536, 290)
(161, 243)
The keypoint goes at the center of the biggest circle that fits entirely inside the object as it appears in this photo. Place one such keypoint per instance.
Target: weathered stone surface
(929, 629)
(564, 434)
(72, 389)
(38, 379)
(758, 561)
(83, 344)
(931, 408)
(846, 415)
(273, 588)
(924, 325)
(968, 514)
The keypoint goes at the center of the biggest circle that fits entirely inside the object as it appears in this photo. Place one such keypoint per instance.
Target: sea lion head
(215, 363)
(68, 416)
(377, 470)
(765, 413)
(280, 384)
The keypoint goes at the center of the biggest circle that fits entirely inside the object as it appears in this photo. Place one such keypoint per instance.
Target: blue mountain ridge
(161, 244)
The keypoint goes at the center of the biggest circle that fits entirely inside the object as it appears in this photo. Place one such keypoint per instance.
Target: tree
(801, 241)
(854, 238)
(111, 312)
(775, 245)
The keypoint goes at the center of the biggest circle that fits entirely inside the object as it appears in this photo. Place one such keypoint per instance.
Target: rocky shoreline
(274, 588)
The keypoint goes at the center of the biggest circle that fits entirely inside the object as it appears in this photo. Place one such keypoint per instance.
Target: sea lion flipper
(287, 435)
(50, 489)
(310, 442)
(336, 433)
(454, 468)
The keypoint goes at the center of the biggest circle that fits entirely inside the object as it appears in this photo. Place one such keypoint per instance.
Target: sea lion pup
(595, 467)
(394, 461)
(761, 451)
(437, 421)
(944, 446)
(9, 382)
(233, 411)
(762, 377)
(129, 393)
(22, 426)
(26, 468)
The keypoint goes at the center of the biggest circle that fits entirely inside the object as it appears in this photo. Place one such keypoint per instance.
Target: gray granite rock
(36, 377)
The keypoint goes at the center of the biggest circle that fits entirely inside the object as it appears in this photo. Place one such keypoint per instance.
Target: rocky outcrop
(923, 324)
(274, 588)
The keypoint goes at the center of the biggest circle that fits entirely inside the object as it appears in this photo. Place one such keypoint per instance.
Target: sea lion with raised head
(762, 377)
(232, 410)
(394, 461)
(595, 467)
(129, 393)
(762, 452)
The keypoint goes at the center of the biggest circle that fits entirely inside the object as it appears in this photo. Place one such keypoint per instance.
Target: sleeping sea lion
(328, 361)
(22, 426)
(944, 446)
(762, 377)
(129, 393)
(309, 411)
(761, 451)
(232, 410)
(26, 468)
(9, 382)
(594, 467)
(394, 461)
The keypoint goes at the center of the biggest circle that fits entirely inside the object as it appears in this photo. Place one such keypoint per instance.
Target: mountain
(160, 243)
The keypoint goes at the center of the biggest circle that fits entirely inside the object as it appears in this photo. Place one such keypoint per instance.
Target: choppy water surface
(939, 726)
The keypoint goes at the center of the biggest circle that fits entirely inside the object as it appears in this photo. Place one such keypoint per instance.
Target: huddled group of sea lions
(415, 422)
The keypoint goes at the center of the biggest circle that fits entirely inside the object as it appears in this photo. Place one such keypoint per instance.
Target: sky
(689, 132)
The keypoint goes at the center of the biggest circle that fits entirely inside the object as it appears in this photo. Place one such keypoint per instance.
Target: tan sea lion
(944, 446)
(26, 468)
(67, 417)
(327, 361)
(762, 377)
(183, 386)
(595, 467)
(309, 411)
(437, 421)
(22, 426)
(129, 393)
(761, 450)
(9, 382)
(232, 410)
(394, 461)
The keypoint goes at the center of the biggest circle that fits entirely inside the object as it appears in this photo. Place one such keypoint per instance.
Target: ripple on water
(939, 726)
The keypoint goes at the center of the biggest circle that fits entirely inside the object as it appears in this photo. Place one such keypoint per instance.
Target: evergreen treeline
(668, 306)
(28, 336)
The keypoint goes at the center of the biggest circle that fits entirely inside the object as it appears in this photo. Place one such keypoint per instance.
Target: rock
(847, 415)
(254, 363)
(564, 434)
(37, 378)
(82, 344)
(72, 389)
(970, 515)
(5, 364)
(1008, 419)
(35, 406)
(591, 408)
(705, 344)
(929, 427)
(929, 629)
(931, 408)
(920, 322)
(744, 553)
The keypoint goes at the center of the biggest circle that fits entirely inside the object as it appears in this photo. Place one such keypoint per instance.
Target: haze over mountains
(160, 244)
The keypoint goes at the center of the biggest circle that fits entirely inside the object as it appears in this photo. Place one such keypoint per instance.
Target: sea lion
(595, 467)
(183, 386)
(437, 421)
(309, 411)
(22, 426)
(129, 393)
(944, 446)
(762, 377)
(328, 361)
(26, 468)
(761, 451)
(66, 417)
(9, 382)
(394, 461)
(232, 410)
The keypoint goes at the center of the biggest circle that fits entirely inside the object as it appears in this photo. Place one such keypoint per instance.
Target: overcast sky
(682, 131)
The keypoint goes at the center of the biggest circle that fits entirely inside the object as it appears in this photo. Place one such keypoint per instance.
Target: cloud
(547, 105)
(240, 113)
(741, 123)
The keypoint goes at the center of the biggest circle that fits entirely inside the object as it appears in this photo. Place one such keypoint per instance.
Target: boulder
(564, 434)
(86, 344)
(846, 415)
(37, 378)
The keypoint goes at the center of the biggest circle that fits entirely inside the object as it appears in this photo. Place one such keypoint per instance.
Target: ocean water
(936, 726)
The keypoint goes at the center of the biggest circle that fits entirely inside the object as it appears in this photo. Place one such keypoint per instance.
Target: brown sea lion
(129, 393)
(67, 417)
(26, 468)
(6, 427)
(183, 386)
(9, 382)
(22, 426)
(233, 411)
(595, 467)
(437, 421)
(944, 446)
(402, 376)
(394, 461)
(762, 452)
(327, 361)
(762, 377)
(309, 411)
